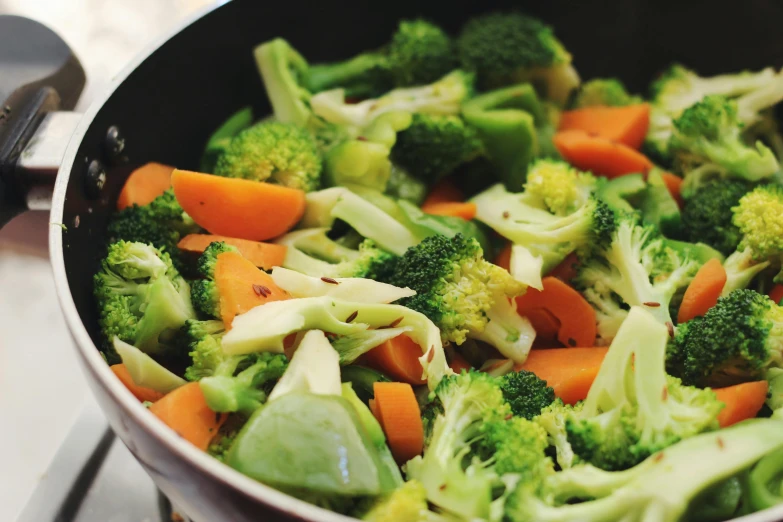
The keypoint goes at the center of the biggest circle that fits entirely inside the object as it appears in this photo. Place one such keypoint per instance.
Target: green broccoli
(403, 185)
(243, 383)
(629, 415)
(275, 152)
(219, 141)
(526, 394)
(203, 341)
(507, 48)
(141, 297)
(435, 145)
(759, 217)
(553, 419)
(608, 92)
(707, 214)
(660, 489)
(161, 223)
(463, 294)
(474, 441)
(709, 132)
(561, 188)
(204, 291)
(407, 503)
(419, 52)
(636, 268)
(736, 340)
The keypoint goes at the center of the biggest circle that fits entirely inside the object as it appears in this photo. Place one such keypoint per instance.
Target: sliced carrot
(776, 294)
(503, 259)
(627, 125)
(398, 358)
(145, 184)
(743, 401)
(703, 292)
(674, 185)
(185, 411)
(263, 255)
(466, 211)
(576, 316)
(566, 270)
(458, 363)
(238, 208)
(140, 392)
(544, 323)
(401, 419)
(444, 191)
(242, 286)
(569, 371)
(600, 155)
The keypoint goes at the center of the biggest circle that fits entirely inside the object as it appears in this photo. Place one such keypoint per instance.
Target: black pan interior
(170, 104)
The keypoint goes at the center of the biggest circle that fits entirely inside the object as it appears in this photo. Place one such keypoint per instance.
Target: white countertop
(41, 386)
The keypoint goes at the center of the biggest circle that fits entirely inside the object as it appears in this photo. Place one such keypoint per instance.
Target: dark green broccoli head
(275, 152)
(204, 291)
(420, 53)
(707, 215)
(711, 118)
(435, 145)
(526, 393)
(735, 341)
(203, 341)
(609, 92)
(497, 46)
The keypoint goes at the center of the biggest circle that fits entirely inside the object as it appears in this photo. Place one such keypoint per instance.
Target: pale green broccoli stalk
(314, 368)
(636, 268)
(475, 441)
(142, 299)
(463, 294)
(283, 71)
(508, 48)
(604, 92)
(741, 269)
(660, 489)
(146, 371)
(526, 267)
(419, 52)
(351, 347)
(629, 415)
(709, 132)
(441, 97)
(357, 289)
(264, 328)
(281, 153)
(205, 294)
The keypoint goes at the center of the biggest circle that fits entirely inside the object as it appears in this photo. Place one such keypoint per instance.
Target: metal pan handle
(40, 81)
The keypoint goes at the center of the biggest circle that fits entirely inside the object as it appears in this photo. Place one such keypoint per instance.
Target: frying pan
(168, 101)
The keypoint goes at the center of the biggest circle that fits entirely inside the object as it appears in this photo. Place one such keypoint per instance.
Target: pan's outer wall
(168, 106)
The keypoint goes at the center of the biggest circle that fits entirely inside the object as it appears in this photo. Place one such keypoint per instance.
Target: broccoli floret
(561, 188)
(474, 441)
(735, 341)
(203, 341)
(621, 425)
(141, 297)
(759, 217)
(161, 223)
(435, 145)
(707, 214)
(553, 419)
(408, 503)
(419, 52)
(709, 132)
(526, 394)
(204, 293)
(463, 294)
(607, 92)
(506, 48)
(275, 152)
(636, 268)
(660, 489)
(403, 185)
(242, 383)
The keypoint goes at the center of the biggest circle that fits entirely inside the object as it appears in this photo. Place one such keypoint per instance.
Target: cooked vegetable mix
(447, 280)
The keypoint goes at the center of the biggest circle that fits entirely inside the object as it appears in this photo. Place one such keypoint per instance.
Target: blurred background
(42, 392)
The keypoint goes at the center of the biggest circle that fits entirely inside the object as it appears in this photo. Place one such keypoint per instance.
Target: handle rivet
(95, 179)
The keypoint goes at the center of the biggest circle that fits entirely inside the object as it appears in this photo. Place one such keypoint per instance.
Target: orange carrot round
(140, 392)
(544, 323)
(599, 155)
(776, 294)
(185, 411)
(569, 371)
(145, 184)
(398, 358)
(444, 191)
(238, 207)
(576, 316)
(503, 259)
(743, 401)
(263, 255)
(466, 211)
(458, 363)
(242, 286)
(627, 125)
(703, 292)
(400, 418)
(674, 185)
